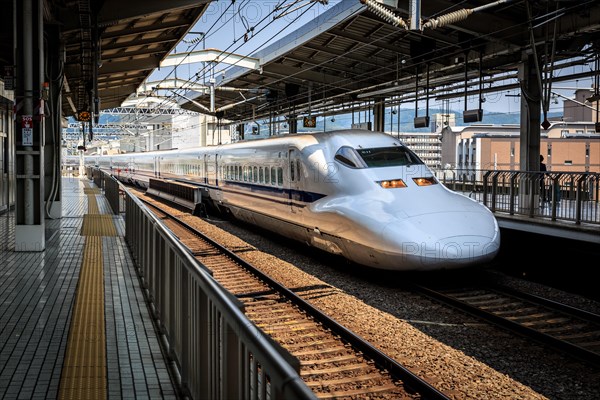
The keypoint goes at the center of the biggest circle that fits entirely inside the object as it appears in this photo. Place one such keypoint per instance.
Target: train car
(359, 194)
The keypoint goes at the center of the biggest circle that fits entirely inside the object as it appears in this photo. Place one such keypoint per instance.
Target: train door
(293, 173)
(206, 168)
(211, 169)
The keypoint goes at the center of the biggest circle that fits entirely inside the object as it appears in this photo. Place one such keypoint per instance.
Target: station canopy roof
(359, 51)
(120, 42)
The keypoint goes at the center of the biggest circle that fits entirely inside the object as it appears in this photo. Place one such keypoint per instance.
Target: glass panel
(388, 157)
(348, 156)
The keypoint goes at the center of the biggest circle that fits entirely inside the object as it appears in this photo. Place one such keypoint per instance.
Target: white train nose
(444, 240)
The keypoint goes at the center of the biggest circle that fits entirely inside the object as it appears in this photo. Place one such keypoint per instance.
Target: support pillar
(379, 116)
(529, 145)
(293, 124)
(29, 126)
(529, 140)
(52, 145)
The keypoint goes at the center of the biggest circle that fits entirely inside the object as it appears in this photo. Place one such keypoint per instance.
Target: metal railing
(219, 353)
(564, 196)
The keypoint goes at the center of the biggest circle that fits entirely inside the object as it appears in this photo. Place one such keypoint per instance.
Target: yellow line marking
(98, 225)
(90, 190)
(93, 204)
(84, 370)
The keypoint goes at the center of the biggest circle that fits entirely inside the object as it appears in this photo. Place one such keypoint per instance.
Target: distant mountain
(344, 121)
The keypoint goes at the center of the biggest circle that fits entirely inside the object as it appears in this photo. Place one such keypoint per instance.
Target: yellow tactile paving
(91, 190)
(92, 204)
(84, 369)
(98, 225)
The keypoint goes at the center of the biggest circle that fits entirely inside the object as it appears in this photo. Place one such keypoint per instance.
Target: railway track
(573, 331)
(334, 362)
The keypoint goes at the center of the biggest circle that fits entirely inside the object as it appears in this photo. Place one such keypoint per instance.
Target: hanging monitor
(472, 115)
(421, 122)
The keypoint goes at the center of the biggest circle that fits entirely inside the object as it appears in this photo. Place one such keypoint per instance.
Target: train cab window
(388, 157)
(349, 157)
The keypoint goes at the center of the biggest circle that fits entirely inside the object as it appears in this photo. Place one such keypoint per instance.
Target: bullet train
(359, 194)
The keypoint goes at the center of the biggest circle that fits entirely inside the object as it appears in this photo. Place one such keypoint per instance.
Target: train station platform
(73, 319)
(74, 322)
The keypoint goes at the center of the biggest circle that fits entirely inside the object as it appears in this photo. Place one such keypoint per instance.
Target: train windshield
(388, 157)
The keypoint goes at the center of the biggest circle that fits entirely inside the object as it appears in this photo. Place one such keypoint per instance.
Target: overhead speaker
(421, 122)
(472, 115)
(271, 95)
(421, 49)
(291, 89)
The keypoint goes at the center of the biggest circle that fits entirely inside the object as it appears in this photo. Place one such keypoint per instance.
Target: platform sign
(9, 79)
(27, 130)
(309, 122)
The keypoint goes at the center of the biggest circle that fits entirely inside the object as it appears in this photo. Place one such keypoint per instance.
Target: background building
(570, 144)
(566, 147)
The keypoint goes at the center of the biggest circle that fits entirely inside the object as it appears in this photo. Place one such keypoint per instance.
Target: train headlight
(425, 181)
(392, 184)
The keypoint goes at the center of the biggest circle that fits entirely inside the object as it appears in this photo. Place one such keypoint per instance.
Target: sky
(246, 26)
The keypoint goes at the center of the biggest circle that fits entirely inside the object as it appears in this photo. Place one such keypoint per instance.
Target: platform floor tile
(37, 294)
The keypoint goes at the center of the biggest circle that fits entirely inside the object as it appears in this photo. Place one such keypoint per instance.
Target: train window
(280, 176)
(292, 171)
(255, 174)
(267, 175)
(273, 176)
(261, 174)
(388, 157)
(349, 157)
(298, 169)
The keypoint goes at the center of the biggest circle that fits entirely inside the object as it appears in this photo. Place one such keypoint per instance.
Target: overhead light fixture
(421, 122)
(474, 115)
